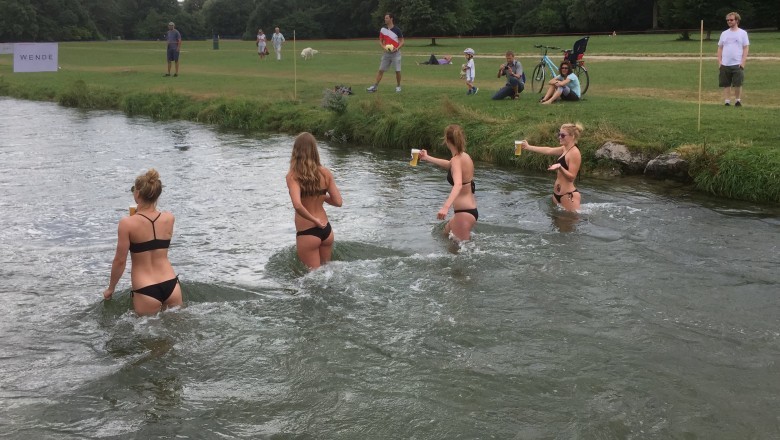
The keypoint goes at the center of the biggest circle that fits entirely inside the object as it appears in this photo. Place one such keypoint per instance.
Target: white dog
(308, 53)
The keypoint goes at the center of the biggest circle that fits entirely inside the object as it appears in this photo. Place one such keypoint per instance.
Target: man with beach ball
(391, 39)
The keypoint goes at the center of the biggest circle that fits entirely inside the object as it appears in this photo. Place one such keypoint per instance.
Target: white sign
(35, 57)
(6, 48)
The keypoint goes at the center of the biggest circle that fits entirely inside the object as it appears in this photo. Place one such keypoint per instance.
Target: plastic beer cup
(415, 157)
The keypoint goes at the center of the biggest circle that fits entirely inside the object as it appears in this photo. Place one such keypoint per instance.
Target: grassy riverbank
(651, 105)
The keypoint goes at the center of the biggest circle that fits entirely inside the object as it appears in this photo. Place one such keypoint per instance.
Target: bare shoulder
(327, 173)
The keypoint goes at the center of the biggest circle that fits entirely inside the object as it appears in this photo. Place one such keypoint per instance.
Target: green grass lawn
(650, 104)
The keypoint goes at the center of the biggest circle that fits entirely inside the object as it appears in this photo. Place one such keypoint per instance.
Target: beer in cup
(415, 157)
(519, 147)
(133, 208)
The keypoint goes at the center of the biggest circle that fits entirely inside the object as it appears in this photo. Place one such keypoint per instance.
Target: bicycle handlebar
(539, 46)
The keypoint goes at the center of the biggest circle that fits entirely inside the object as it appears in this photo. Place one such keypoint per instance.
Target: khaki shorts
(389, 58)
(731, 76)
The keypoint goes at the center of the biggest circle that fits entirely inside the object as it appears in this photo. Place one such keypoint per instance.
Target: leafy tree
(18, 21)
(429, 17)
(63, 20)
(105, 15)
(227, 17)
(687, 14)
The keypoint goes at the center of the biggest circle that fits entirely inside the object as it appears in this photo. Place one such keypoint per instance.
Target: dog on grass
(309, 53)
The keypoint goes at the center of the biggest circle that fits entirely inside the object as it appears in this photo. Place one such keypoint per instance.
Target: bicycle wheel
(537, 79)
(582, 75)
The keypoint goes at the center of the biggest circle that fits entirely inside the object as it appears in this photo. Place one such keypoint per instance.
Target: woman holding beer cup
(311, 185)
(146, 234)
(567, 166)
(460, 174)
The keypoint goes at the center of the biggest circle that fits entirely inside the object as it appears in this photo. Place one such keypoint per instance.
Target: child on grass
(469, 70)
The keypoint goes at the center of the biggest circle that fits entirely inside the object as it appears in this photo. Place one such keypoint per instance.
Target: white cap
(469, 51)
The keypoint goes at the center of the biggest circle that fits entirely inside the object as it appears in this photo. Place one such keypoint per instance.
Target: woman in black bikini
(567, 166)
(147, 235)
(311, 185)
(460, 175)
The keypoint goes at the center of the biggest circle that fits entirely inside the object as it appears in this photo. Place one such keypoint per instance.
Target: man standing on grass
(173, 38)
(389, 35)
(732, 54)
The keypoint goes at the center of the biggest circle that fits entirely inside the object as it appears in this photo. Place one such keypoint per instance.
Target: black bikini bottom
(321, 233)
(473, 212)
(160, 291)
(558, 197)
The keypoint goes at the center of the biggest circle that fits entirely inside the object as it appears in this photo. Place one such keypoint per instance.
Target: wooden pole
(701, 62)
(295, 68)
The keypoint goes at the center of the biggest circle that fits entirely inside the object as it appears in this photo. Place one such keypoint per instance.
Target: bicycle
(546, 65)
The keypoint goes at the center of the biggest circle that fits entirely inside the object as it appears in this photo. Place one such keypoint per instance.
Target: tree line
(74, 20)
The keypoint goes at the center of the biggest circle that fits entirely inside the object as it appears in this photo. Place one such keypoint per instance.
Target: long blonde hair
(454, 135)
(149, 186)
(305, 164)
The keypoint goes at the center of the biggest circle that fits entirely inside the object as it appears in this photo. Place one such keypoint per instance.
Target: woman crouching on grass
(147, 235)
(460, 174)
(311, 185)
(567, 166)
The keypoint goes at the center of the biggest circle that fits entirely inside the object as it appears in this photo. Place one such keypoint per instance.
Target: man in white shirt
(732, 54)
(277, 39)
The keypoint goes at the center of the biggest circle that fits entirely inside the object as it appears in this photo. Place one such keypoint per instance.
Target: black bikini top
(452, 182)
(151, 244)
(321, 192)
(562, 160)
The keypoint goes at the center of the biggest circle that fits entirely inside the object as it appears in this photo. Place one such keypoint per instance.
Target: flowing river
(654, 315)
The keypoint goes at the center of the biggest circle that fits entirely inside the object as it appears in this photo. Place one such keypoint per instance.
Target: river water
(655, 315)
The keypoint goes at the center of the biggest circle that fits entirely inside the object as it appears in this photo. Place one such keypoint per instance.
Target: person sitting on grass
(515, 83)
(447, 59)
(565, 86)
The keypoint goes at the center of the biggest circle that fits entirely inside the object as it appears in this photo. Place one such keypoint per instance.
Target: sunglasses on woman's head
(132, 189)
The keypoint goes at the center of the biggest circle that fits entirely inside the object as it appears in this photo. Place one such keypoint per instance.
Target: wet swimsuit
(151, 244)
(321, 192)
(160, 291)
(562, 160)
(558, 197)
(321, 233)
(470, 211)
(473, 190)
(452, 182)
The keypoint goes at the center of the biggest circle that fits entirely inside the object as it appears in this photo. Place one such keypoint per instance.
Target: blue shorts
(173, 54)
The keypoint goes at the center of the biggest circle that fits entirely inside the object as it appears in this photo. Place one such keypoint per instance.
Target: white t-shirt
(470, 70)
(733, 44)
(277, 39)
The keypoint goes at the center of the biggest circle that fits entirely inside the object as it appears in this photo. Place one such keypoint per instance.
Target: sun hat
(469, 51)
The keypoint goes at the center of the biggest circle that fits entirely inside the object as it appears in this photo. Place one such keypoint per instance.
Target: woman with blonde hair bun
(311, 185)
(567, 166)
(146, 234)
